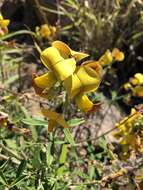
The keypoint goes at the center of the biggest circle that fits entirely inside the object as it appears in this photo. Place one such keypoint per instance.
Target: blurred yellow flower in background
(130, 134)
(106, 58)
(135, 84)
(138, 91)
(137, 79)
(117, 54)
(46, 31)
(3, 25)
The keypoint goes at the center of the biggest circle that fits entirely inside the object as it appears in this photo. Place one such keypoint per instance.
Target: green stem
(10, 152)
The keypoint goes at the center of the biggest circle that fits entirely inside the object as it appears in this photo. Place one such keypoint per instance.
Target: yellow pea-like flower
(85, 79)
(3, 25)
(117, 54)
(138, 91)
(67, 52)
(139, 78)
(133, 81)
(77, 80)
(83, 103)
(55, 119)
(4, 22)
(61, 67)
(127, 86)
(129, 134)
(106, 59)
(46, 31)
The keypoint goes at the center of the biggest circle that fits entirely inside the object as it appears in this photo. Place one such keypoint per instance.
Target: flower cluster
(135, 85)
(3, 25)
(46, 31)
(130, 134)
(78, 81)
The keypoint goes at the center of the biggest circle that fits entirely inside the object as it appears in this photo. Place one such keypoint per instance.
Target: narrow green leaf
(29, 123)
(63, 155)
(4, 165)
(36, 161)
(69, 137)
(62, 160)
(21, 168)
(2, 178)
(49, 156)
(79, 187)
(75, 122)
(91, 172)
(51, 10)
(18, 180)
(35, 122)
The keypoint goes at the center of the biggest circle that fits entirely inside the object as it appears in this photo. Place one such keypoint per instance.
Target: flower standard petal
(50, 56)
(61, 67)
(67, 52)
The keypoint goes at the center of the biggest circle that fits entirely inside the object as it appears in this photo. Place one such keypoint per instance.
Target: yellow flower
(83, 103)
(3, 25)
(129, 134)
(133, 81)
(46, 31)
(138, 91)
(85, 79)
(106, 59)
(55, 119)
(86, 105)
(57, 60)
(61, 62)
(127, 86)
(117, 54)
(139, 78)
(61, 67)
(42, 85)
(67, 52)
(4, 22)
(46, 80)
